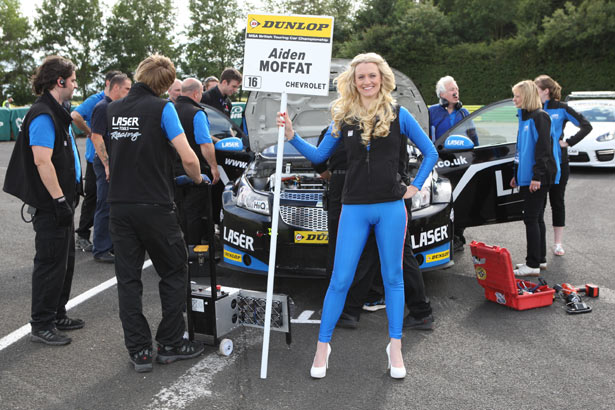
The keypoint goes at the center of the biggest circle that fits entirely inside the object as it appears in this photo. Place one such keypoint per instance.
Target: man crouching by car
(144, 129)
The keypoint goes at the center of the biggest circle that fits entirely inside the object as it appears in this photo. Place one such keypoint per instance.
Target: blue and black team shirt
(201, 128)
(42, 134)
(441, 121)
(85, 109)
(534, 159)
(560, 113)
(408, 127)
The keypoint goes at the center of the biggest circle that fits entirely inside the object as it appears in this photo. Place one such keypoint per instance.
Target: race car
(469, 185)
(302, 231)
(597, 149)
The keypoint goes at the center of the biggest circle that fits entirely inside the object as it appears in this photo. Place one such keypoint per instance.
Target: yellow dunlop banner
(277, 27)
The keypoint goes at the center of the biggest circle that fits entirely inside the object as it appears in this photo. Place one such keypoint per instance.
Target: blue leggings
(389, 220)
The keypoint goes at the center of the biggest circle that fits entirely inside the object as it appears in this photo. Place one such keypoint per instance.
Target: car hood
(310, 114)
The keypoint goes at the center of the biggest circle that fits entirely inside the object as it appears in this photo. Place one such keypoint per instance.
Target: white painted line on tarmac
(13, 337)
(195, 383)
(304, 317)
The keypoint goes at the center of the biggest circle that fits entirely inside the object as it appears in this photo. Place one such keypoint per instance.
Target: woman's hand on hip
(410, 192)
(284, 120)
(534, 186)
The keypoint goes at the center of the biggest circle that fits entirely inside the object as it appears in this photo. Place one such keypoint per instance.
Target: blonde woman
(535, 172)
(373, 129)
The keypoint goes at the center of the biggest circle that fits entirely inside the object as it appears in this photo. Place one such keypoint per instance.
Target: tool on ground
(574, 303)
(591, 290)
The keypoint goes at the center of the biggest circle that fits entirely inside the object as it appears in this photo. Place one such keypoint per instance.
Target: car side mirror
(458, 143)
(231, 144)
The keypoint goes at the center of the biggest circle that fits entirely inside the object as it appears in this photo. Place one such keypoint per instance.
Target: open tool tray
(494, 273)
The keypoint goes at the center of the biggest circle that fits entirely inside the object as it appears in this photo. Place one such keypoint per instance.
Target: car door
(481, 174)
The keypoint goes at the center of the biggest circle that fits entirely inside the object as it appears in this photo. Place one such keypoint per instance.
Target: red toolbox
(494, 272)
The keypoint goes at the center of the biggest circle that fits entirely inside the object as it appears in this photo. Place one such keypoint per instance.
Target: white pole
(275, 213)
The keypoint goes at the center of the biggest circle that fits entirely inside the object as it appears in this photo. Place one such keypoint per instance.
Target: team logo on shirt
(125, 127)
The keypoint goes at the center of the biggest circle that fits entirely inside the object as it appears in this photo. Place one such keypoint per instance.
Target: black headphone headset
(444, 103)
(62, 83)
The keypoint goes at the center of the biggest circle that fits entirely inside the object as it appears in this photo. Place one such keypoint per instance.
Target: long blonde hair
(375, 121)
(530, 99)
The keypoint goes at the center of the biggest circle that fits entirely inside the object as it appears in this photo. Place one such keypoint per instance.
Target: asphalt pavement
(481, 355)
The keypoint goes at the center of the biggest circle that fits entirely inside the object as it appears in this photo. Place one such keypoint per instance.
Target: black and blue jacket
(534, 159)
(440, 122)
(560, 113)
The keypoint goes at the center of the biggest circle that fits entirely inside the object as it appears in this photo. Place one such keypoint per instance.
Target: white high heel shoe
(320, 372)
(396, 372)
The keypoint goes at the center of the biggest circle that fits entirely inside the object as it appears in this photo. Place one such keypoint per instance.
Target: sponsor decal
(429, 237)
(232, 256)
(234, 162)
(481, 273)
(500, 298)
(238, 239)
(454, 163)
(279, 25)
(125, 127)
(254, 23)
(312, 237)
(456, 142)
(19, 121)
(434, 257)
(499, 185)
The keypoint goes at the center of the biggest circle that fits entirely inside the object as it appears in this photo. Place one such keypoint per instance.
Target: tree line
(487, 45)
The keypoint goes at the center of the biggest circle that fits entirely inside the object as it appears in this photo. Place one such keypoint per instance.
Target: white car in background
(597, 149)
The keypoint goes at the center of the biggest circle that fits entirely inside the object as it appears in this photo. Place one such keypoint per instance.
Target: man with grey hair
(194, 201)
(443, 116)
(175, 90)
(449, 110)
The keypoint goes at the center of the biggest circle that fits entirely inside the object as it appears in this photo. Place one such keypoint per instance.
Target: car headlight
(442, 192)
(421, 199)
(247, 198)
(609, 136)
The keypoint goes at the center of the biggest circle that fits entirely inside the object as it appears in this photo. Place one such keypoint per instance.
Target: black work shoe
(186, 350)
(50, 337)
(106, 257)
(83, 244)
(142, 360)
(67, 323)
(458, 244)
(347, 321)
(425, 323)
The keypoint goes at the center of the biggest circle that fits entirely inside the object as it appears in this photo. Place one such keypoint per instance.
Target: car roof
(587, 95)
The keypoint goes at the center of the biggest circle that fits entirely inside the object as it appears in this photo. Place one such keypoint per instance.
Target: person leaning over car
(145, 136)
(442, 117)
(535, 171)
(194, 121)
(45, 172)
(550, 94)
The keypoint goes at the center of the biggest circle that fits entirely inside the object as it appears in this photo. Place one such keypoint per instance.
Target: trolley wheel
(226, 347)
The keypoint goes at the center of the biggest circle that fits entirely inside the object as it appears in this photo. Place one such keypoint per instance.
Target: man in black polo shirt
(118, 88)
(44, 172)
(218, 96)
(196, 126)
(146, 136)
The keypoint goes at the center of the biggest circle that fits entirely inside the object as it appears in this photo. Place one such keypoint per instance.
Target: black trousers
(193, 203)
(535, 232)
(137, 228)
(52, 276)
(367, 283)
(88, 206)
(556, 197)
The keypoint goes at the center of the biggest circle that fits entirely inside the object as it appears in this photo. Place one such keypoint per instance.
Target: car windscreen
(597, 111)
(289, 150)
(219, 125)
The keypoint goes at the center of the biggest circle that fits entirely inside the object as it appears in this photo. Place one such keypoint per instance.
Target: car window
(595, 112)
(219, 125)
(495, 124)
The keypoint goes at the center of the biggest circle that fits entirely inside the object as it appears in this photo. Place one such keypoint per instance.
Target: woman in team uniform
(372, 126)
